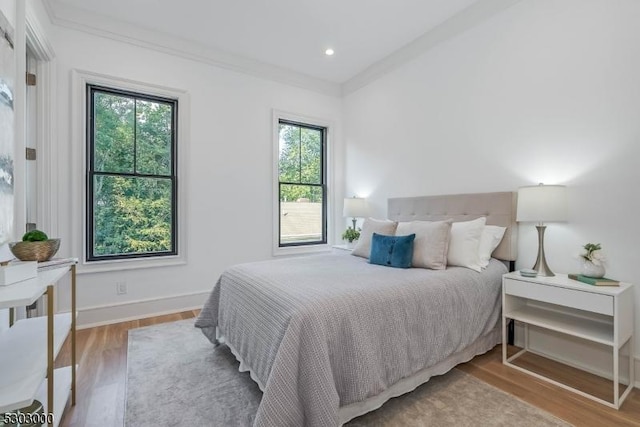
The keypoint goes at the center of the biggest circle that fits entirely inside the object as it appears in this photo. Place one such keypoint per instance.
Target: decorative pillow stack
(370, 226)
(429, 244)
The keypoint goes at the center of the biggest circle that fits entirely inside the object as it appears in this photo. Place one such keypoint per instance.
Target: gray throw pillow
(370, 226)
(431, 245)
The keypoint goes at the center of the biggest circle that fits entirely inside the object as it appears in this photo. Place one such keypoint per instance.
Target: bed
(330, 337)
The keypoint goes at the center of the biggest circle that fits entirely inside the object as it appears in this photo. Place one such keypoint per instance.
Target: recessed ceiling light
(329, 52)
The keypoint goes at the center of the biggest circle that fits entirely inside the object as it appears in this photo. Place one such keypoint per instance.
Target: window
(131, 175)
(302, 185)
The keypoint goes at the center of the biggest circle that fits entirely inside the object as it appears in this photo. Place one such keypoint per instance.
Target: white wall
(546, 91)
(8, 7)
(229, 172)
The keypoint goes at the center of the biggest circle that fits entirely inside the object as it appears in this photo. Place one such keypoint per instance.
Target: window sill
(300, 250)
(129, 264)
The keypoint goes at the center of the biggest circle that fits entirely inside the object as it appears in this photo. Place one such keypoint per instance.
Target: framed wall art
(7, 80)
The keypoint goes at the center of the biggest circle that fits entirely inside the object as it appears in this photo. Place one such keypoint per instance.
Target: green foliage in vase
(35, 236)
(593, 252)
(351, 234)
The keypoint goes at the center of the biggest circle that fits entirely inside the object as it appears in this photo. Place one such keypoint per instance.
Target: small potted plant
(351, 235)
(593, 260)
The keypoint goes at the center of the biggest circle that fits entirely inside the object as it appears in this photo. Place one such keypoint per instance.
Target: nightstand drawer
(581, 300)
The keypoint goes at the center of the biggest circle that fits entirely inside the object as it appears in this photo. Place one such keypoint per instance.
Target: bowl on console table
(35, 251)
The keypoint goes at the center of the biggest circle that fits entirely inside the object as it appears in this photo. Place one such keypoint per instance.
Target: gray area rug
(175, 377)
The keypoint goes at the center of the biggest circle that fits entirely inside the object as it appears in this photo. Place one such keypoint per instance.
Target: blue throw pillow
(392, 251)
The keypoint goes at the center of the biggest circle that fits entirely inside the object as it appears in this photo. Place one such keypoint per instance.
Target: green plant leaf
(35, 236)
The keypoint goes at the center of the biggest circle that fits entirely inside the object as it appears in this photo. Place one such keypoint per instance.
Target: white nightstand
(342, 248)
(596, 314)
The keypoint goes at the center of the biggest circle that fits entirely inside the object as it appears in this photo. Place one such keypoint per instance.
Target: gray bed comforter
(321, 332)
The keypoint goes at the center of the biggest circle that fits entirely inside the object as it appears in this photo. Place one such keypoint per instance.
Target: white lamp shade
(355, 207)
(542, 203)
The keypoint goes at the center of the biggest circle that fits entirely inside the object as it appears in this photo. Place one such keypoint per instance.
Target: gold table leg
(50, 349)
(73, 335)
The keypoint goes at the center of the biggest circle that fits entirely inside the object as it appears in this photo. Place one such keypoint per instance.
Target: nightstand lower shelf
(581, 327)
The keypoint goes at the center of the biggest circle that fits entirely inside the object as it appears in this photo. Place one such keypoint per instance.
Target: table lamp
(542, 203)
(355, 207)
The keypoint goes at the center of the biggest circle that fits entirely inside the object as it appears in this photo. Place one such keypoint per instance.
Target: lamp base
(541, 265)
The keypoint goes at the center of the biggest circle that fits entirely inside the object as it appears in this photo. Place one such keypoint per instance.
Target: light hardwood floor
(102, 355)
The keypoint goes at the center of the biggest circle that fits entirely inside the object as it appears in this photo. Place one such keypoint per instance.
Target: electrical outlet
(121, 288)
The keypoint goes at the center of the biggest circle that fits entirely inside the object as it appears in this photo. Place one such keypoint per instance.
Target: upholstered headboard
(499, 208)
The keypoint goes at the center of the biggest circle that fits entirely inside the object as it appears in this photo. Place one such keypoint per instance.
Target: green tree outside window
(132, 174)
(302, 186)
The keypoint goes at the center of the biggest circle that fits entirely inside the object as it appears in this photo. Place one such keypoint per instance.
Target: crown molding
(36, 36)
(76, 19)
(79, 20)
(457, 24)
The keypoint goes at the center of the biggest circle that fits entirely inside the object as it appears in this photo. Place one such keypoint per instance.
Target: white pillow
(431, 244)
(465, 242)
(489, 240)
(370, 226)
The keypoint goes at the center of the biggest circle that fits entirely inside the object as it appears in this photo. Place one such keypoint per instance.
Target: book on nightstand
(603, 281)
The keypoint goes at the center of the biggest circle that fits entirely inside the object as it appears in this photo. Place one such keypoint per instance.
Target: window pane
(113, 133)
(153, 138)
(300, 214)
(311, 154)
(131, 215)
(289, 149)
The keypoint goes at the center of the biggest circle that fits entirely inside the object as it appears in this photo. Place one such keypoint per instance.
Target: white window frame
(80, 80)
(277, 250)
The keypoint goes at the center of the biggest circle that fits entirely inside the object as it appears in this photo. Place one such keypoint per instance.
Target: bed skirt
(405, 385)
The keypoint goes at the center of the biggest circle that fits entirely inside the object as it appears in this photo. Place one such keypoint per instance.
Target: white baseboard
(107, 314)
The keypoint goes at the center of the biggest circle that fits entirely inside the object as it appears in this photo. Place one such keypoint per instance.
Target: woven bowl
(35, 251)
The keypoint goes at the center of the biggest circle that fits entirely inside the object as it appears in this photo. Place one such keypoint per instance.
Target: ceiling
(289, 34)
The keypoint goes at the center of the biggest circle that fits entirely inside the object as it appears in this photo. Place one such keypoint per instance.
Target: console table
(29, 347)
